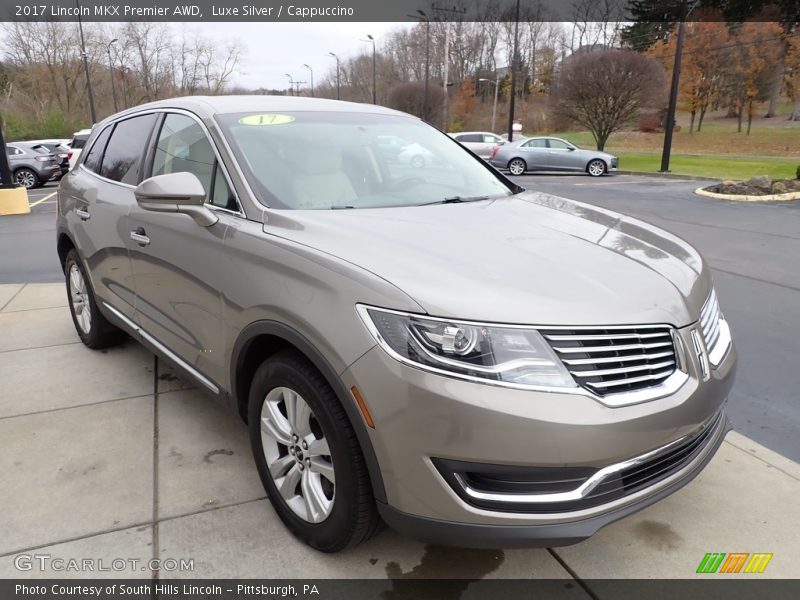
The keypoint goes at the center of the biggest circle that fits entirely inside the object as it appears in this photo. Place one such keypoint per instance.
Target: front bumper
(422, 419)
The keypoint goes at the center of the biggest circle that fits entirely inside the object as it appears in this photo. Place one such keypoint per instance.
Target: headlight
(508, 354)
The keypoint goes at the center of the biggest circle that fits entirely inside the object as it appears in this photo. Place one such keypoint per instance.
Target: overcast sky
(273, 49)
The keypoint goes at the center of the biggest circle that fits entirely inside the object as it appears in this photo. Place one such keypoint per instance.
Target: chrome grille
(617, 359)
(709, 321)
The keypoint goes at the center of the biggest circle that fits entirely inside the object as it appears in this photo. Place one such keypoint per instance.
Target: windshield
(329, 160)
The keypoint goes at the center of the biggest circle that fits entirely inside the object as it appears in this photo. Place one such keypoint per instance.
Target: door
(177, 264)
(562, 156)
(100, 195)
(534, 152)
(490, 142)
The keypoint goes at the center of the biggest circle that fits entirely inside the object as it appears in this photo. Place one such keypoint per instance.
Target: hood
(529, 259)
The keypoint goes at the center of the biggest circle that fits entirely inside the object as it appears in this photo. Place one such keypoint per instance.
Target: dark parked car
(61, 151)
(32, 164)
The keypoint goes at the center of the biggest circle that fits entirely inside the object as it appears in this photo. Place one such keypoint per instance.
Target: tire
(417, 161)
(596, 168)
(27, 178)
(92, 327)
(319, 484)
(517, 166)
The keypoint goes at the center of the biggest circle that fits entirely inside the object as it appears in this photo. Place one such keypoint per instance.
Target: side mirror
(571, 148)
(177, 193)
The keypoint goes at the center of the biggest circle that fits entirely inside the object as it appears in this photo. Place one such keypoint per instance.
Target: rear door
(98, 195)
(534, 152)
(178, 265)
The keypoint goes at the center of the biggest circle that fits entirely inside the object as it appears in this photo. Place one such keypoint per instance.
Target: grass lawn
(711, 166)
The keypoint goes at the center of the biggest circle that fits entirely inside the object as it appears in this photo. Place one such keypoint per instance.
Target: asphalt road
(754, 252)
(753, 248)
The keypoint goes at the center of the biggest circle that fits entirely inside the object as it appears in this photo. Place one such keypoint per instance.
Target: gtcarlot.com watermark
(55, 564)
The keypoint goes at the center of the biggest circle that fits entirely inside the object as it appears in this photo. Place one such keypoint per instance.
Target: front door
(178, 265)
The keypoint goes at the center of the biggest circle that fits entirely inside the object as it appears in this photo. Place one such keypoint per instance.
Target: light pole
(86, 65)
(514, 68)
(291, 84)
(310, 70)
(427, 61)
(338, 89)
(111, 72)
(374, 70)
(669, 124)
(496, 84)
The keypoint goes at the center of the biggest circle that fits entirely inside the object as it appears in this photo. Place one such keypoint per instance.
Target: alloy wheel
(79, 298)
(516, 167)
(26, 178)
(297, 455)
(596, 168)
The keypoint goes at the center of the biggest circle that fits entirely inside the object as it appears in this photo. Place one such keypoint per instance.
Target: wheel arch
(594, 158)
(64, 244)
(261, 339)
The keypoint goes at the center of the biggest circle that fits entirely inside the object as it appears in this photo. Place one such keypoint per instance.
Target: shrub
(797, 173)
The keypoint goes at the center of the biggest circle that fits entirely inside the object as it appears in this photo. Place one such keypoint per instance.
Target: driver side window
(184, 147)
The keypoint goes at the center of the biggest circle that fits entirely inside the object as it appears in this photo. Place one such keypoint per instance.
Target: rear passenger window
(95, 154)
(122, 160)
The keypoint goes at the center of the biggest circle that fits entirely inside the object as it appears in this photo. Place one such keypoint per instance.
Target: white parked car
(76, 145)
(481, 143)
(417, 156)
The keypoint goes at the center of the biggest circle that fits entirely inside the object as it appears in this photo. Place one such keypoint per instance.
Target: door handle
(83, 214)
(140, 237)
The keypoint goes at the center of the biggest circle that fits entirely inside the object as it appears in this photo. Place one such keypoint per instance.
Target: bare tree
(604, 90)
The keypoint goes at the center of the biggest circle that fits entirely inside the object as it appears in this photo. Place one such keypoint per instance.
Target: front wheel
(517, 166)
(596, 167)
(26, 178)
(308, 456)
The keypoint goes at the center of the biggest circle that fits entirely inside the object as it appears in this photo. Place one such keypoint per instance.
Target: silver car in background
(434, 348)
(32, 164)
(552, 154)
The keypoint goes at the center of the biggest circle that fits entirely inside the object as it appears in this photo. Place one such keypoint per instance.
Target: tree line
(738, 66)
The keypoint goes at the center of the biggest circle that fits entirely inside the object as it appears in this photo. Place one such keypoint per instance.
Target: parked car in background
(552, 154)
(474, 363)
(417, 155)
(76, 145)
(390, 146)
(481, 143)
(32, 164)
(61, 151)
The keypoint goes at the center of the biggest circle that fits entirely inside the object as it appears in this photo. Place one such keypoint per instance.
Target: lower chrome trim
(588, 485)
(163, 349)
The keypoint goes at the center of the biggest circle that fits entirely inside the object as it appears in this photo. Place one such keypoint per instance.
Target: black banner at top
(397, 10)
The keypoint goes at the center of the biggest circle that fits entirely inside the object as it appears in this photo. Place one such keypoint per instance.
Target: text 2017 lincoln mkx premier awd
(435, 348)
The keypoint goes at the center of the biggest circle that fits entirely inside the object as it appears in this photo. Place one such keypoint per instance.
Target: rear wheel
(92, 327)
(308, 457)
(596, 167)
(517, 166)
(26, 178)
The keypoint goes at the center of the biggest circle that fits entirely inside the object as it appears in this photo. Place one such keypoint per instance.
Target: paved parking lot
(110, 455)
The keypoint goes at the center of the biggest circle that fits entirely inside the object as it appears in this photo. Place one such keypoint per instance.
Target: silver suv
(434, 348)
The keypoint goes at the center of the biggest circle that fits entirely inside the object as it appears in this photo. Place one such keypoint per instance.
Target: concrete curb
(665, 175)
(741, 198)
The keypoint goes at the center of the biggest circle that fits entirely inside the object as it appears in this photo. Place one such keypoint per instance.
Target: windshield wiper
(456, 200)
(340, 207)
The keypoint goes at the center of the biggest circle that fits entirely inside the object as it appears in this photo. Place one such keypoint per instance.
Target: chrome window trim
(592, 482)
(165, 110)
(666, 388)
